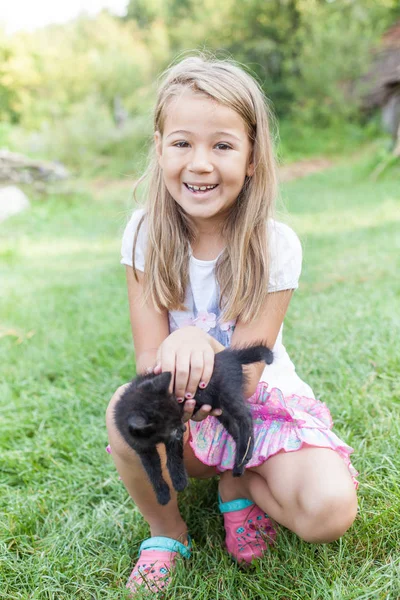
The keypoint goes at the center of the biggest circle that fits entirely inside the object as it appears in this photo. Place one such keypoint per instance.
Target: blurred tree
(257, 33)
(265, 39)
(8, 93)
(308, 55)
(48, 72)
(150, 17)
(144, 12)
(333, 50)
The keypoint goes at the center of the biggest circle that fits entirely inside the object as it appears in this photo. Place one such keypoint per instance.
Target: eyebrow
(223, 133)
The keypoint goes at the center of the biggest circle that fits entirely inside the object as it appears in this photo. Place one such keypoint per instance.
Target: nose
(200, 162)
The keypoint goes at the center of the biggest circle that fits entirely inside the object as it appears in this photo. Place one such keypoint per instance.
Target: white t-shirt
(202, 296)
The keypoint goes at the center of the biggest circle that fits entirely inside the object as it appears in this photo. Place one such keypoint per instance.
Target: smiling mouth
(197, 189)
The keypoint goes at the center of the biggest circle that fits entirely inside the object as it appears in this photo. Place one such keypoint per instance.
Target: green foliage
(6, 130)
(384, 163)
(8, 93)
(334, 49)
(308, 55)
(265, 40)
(299, 138)
(88, 141)
(144, 12)
(53, 69)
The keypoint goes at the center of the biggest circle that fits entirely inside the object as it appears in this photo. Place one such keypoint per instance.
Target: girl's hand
(188, 353)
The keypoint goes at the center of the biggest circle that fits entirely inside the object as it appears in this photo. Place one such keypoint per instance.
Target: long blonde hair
(242, 268)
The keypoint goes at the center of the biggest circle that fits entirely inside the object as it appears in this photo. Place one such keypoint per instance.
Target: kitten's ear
(158, 383)
(162, 381)
(137, 424)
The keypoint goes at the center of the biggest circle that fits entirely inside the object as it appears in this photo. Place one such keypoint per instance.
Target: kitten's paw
(180, 482)
(163, 494)
(237, 470)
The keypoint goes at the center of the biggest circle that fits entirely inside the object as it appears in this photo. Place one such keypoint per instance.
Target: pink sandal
(157, 557)
(248, 529)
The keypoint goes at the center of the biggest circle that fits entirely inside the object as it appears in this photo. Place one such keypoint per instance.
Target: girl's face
(205, 155)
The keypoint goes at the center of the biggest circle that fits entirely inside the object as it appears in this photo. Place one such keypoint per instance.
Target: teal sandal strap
(165, 543)
(233, 505)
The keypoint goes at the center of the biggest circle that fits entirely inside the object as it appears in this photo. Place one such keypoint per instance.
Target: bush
(335, 43)
(88, 141)
(299, 138)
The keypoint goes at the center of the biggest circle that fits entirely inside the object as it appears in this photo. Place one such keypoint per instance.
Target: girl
(211, 269)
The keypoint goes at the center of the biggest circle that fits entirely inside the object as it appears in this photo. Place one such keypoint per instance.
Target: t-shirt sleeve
(127, 241)
(285, 258)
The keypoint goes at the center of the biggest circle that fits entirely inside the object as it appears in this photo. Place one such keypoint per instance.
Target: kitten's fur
(147, 414)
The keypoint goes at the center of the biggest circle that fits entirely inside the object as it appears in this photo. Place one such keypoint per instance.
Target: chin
(201, 213)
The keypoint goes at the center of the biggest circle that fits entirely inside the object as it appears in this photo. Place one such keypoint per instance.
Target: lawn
(68, 530)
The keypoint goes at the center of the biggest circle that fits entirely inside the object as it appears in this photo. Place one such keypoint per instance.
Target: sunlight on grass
(350, 219)
(52, 248)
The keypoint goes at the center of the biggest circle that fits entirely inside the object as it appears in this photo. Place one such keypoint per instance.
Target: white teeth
(203, 188)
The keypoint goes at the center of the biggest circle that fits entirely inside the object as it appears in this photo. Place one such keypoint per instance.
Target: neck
(207, 245)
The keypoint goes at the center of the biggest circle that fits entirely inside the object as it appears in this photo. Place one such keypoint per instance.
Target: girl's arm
(187, 352)
(264, 329)
(149, 327)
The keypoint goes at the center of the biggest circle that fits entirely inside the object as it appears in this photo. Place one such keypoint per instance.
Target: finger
(188, 409)
(196, 370)
(208, 362)
(202, 413)
(182, 369)
(157, 368)
(217, 412)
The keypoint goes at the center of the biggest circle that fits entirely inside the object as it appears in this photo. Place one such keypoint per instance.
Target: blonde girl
(208, 267)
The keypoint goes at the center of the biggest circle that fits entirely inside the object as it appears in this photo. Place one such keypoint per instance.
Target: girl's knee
(326, 517)
(118, 445)
(110, 408)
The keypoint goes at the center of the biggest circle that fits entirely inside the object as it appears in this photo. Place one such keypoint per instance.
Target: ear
(250, 169)
(157, 384)
(161, 382)
(250, 166)
(158, 145)
(137, 423)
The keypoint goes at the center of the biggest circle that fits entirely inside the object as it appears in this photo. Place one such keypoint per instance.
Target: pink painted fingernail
(188, 395)
(202, 384)
(180, 400)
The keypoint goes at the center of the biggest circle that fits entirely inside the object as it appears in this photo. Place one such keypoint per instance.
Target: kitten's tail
(253, 354)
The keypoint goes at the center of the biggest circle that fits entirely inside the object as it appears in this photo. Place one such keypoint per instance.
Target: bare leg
(309, 491)
(163, 520)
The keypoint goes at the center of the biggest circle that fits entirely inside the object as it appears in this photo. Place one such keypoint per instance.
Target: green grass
(67, 526)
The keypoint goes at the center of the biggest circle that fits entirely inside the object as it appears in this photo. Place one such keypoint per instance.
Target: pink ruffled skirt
(280, 424)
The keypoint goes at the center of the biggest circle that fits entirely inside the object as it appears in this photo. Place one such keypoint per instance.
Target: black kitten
(147, 414)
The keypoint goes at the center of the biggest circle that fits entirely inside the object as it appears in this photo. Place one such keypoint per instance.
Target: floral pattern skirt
(280, 424)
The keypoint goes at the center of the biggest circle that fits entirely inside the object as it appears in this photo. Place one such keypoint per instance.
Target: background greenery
(59, 84)
(67, 528)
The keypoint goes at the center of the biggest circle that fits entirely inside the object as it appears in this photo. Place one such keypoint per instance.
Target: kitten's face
(155, 416)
